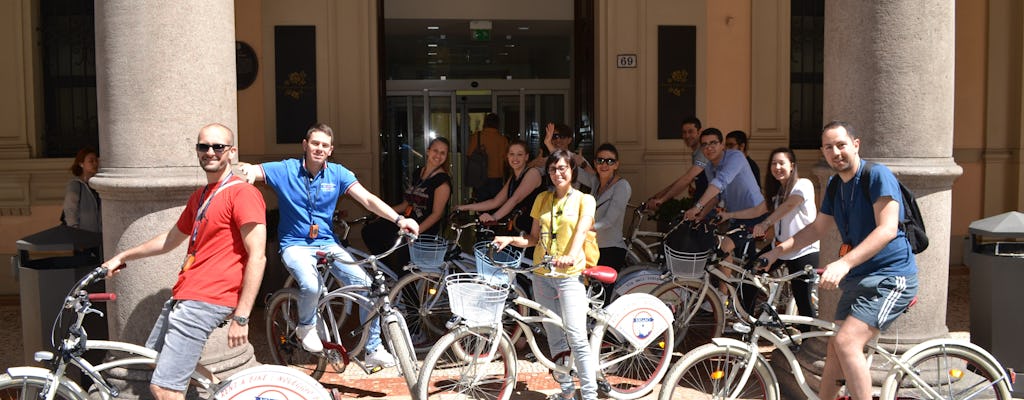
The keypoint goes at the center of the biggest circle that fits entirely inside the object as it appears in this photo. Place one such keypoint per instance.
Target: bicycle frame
(635, 240)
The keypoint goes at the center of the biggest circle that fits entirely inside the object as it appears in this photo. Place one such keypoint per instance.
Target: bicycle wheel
(714, 372)
(461, 366)
(422, 300)
(953, 371)
(285, 345)
(628, 371)
(697, 319)
(30, 388)
(401, 347)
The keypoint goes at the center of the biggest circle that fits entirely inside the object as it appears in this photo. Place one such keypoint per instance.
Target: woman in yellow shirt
(562, 217)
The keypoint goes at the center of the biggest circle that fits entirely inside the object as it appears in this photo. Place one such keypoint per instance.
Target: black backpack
(476, 166)
(913, 223)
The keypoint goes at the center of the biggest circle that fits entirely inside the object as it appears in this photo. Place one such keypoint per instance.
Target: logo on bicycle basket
(643, 324)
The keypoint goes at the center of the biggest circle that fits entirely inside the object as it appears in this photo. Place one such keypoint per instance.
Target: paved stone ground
(534, 383)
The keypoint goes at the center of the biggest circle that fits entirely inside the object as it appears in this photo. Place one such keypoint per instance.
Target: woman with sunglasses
(518, 193)
(612, 193)
(792, 208)
(562, 218)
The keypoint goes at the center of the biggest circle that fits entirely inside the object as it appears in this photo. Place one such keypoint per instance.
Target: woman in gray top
(612, 193)
(81, 203)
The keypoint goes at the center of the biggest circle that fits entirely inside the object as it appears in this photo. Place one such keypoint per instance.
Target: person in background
(562, 217)
(792, 208)
(81, 202)
(425, 201)
(308, 190)
(224, 224)
(496, 146)
(697, 174)
(559, 137)
(737, 140)
(612, 193)
(518, 193)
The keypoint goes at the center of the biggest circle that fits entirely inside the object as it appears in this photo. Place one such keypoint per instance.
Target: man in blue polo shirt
(308, 190)
(876, 270)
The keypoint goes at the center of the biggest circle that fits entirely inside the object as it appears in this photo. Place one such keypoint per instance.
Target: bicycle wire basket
(509, 257)
(427, 252)
(472, 297)
(686, 265)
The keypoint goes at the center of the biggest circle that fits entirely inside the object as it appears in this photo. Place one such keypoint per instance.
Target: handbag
(590, 249)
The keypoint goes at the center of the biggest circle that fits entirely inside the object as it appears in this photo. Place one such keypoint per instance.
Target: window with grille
(807, 45)
(69, 77)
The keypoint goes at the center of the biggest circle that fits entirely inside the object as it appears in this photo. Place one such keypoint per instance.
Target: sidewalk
(534, 381)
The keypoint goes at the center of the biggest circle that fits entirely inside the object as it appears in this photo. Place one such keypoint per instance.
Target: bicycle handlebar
(402, 239)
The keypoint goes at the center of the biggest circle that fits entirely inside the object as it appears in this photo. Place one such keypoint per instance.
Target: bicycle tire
(950, 369)
(30, 387)
(401, 348)
(630, 376)
(708, 313)
(285, 346)
(708, 372)
(451, 369)
(641, 278)
(422, 300)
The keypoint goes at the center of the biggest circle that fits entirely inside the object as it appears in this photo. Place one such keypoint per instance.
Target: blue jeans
(301, 263)
(568, 298)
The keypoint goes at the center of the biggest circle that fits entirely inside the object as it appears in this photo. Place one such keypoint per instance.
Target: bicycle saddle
(602, 274)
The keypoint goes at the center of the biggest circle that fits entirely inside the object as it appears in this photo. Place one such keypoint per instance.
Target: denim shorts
(179, 336)
(876, 300)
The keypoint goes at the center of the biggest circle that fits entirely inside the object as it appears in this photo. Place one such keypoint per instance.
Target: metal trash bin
(995, 255)
(44, 282)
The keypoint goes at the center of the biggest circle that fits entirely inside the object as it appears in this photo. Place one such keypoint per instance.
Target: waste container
(44, 282)
(994, 254)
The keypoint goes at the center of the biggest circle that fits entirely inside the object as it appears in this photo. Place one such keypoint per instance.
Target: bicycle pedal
(603, 386)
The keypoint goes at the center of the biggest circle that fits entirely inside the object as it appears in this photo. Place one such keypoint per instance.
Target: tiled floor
(534, 383)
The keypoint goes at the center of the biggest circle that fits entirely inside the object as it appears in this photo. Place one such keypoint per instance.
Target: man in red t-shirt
(224, 226)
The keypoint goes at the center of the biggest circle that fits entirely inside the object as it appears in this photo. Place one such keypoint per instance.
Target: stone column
(163, 70)
(889, 72)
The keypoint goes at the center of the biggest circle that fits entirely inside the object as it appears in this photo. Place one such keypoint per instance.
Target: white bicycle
(53, 383)
(632, 338)
(729, 369)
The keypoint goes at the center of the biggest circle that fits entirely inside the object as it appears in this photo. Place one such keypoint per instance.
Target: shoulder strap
(865, 181)
(833, 186)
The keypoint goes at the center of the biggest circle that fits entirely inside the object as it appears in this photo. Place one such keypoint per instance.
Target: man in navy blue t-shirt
(876, 270)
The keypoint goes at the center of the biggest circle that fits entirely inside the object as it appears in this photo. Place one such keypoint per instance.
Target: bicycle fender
(927, 344)
(42, 373)
(733, 343)
(639, 317)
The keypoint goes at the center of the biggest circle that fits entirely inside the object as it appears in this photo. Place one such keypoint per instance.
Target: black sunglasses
(607, 161)
(559, 136)
(217, 148)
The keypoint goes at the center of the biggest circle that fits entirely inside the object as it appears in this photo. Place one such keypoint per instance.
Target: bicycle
(53, 383)
(632, 337)
(691, 290)
(730, 368)
(282, 321)
(422, 296)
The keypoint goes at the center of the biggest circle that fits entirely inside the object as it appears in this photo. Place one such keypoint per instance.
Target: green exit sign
(481, 34)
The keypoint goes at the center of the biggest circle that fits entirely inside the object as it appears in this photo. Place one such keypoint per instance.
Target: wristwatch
(240, 320)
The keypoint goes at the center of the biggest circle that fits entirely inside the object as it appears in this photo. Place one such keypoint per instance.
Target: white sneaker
(380, 358)
(310, 339)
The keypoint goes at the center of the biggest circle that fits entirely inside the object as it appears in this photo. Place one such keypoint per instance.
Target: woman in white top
(792, 209)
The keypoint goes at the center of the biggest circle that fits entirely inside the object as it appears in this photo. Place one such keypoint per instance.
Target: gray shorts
(179, 336)
(876, 300)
